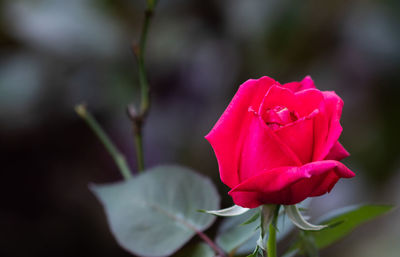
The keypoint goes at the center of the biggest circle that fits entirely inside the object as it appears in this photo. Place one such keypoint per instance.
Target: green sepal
(252, 219)
(234, 210)
(294, 214)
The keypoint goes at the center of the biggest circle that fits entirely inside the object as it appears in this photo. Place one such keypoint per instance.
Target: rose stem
(138, 118)
(271, 244)
(118, 157)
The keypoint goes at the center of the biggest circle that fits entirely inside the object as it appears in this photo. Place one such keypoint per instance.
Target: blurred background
(57, 53)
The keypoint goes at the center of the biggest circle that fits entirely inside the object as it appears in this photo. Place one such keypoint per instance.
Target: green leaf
(199, 250)
(231, 235)
(296, 217)
(234, 210)
(342, 222)
(291, 252)
(155, 213)
(234, 236)
(308, 245)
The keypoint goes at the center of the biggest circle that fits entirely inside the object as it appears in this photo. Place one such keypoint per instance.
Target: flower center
(279, 116)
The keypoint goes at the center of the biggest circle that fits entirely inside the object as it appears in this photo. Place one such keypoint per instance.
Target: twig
(138, 118)
(118, 157)
(137, 122)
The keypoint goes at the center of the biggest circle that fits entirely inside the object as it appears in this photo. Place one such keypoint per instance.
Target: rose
(278, 144)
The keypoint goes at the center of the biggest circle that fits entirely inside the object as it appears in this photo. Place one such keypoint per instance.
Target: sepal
(294, 214)
(234, 210)
(255, 252)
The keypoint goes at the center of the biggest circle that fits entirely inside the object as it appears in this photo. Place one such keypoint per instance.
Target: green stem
(118, 157)
(151, 4)
(138, 118)
(143, 81)
(271, 244)
(139, 151)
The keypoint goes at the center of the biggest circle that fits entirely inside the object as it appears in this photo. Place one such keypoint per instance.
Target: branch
(118, 157)
(138, 118)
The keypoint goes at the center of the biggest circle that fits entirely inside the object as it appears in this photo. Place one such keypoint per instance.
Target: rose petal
(327, 125)
(278, 96)
(227, 135)
(289, 185)
(327, 182)
(337, 152)
(263, 150)
(299, 136)
(306, 83)
(307, 101)
(303, 102)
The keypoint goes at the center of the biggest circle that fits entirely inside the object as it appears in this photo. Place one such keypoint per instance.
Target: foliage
(155, 214)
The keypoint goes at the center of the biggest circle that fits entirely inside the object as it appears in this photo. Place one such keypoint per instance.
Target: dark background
(57, 53)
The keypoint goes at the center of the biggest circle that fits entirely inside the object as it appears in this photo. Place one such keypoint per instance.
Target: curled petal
(278, 96)
(307, 101)
(327, 125)
(299, 137)
(337, 152)
(228, 134)
(303, 102)
(289, 185)
(306, 83)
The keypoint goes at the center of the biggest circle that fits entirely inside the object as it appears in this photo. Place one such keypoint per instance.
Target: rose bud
(278, 144)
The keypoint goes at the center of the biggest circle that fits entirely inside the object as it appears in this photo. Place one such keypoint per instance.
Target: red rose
(278, 144)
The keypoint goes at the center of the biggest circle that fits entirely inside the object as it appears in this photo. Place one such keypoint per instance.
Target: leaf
(291, 252)
(155, 213)
(340, 223)
(296, 217)
(343, 221)
(308, 245)
(231, 235)
(234, 210)
(199, 250)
